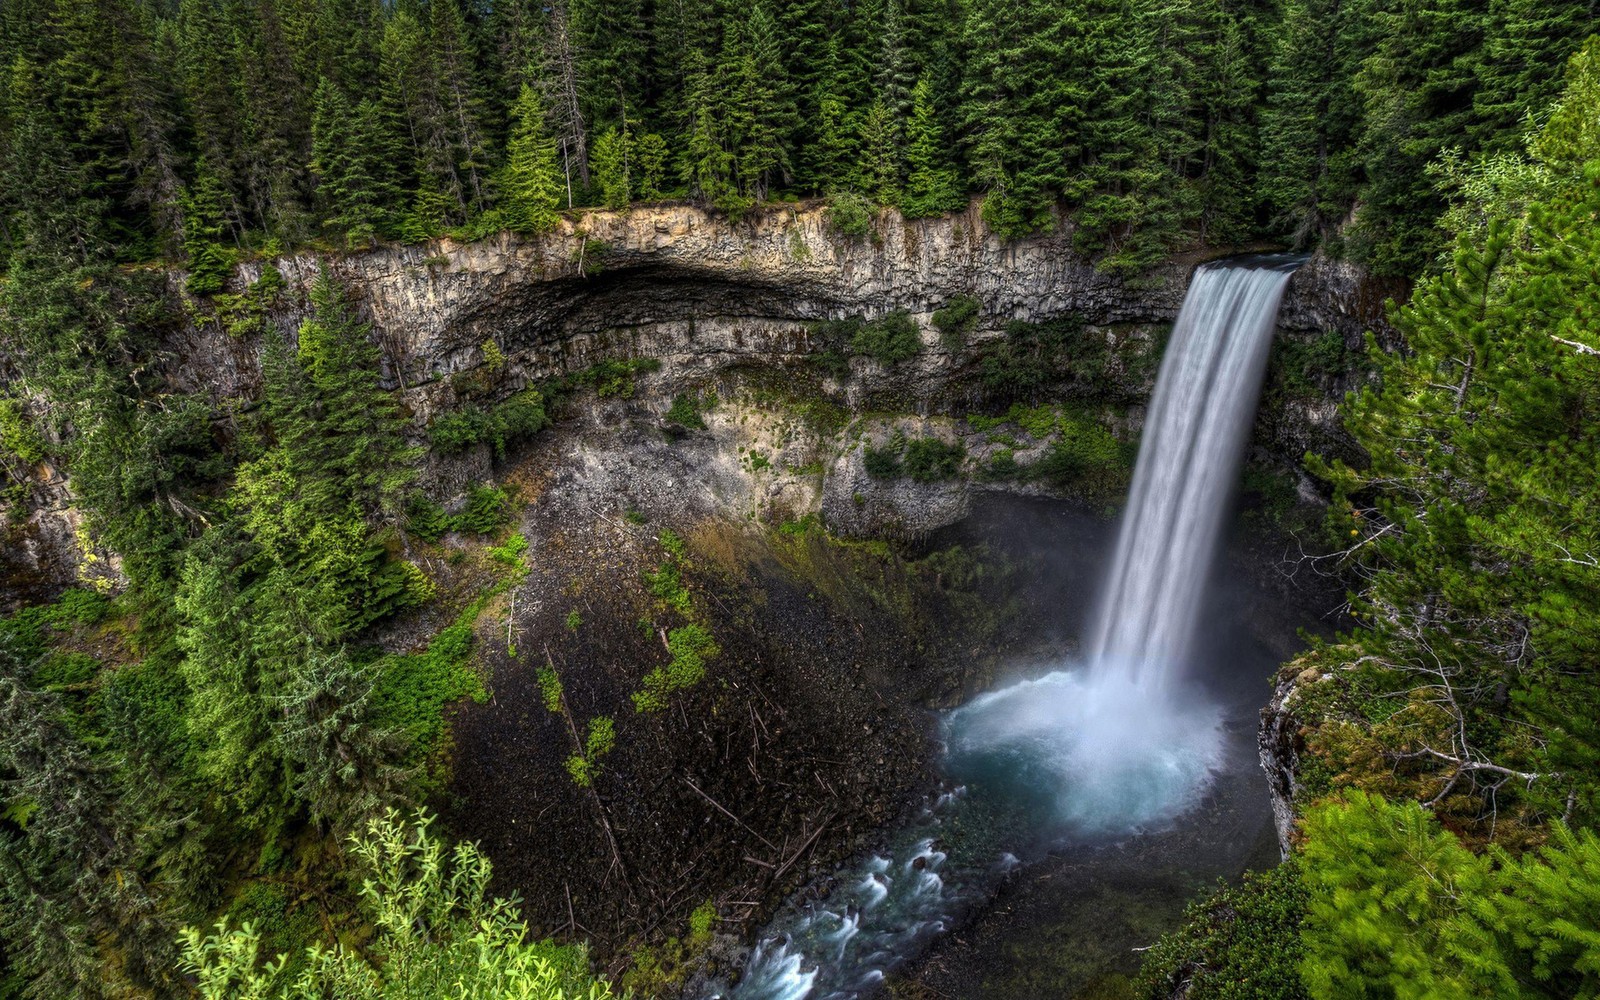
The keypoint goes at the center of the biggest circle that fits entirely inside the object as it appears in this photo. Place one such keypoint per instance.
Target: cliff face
(701, 292)
(706, 295)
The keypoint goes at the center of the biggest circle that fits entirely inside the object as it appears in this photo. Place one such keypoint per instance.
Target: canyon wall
(706, 295)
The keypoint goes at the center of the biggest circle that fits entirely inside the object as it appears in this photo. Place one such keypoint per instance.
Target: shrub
(849, 214)
(1243, 943)
(488, 509)
(510, 552)
(426, 519)
(688, 410)
(881, 463)
(518, 418)
(956, 321)
(889, 339)
(690, 647)
(615, 379)
(17, 434)
(929, 459)
(1035, 357)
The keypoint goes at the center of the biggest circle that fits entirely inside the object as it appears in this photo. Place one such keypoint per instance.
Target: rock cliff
(706, 295)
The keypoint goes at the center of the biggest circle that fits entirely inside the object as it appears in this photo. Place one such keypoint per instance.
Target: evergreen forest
(220, 773)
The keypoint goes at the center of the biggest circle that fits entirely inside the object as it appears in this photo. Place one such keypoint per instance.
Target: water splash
(1114, 746)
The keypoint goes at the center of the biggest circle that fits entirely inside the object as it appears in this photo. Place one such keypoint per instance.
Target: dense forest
(250, 727)
(147, 130)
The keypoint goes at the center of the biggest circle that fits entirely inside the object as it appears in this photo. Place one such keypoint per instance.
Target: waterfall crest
(1189, 457)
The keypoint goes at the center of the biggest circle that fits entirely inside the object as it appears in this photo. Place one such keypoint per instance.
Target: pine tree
(457, 141)
(341, 761)
(932, 185)
(879, 167)
(610, 40)
(760, 109)
(1524, 42)
(650, 159)
(707, 165)
(347, 158)
(610, 162)
(532, 181)
(227, 714)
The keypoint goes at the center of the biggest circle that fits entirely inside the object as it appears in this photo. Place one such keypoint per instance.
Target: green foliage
(889, 340)
(412, 689)
(1037, 360)
(956, 320)
(600, 740)
(1241, 943)
(883, 463)
(688, 409)
(610, 161)
(1469, 519)
(513, 421)
(509, 552)
(488, 509)
(532, 179)
(1399, 907)
(438, 933)
(929, 459)
(849, 214)
(18, 436)
(689, 648)
(615, 379)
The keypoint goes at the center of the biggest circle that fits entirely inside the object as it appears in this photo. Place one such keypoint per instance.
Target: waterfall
(1193, 442)
(1109, 746)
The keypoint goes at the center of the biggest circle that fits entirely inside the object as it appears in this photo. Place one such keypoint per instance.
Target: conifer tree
(532, 181)
(878, 167)
(348, 156)
(650, 160)
(610, 162)
(341, 761)
(932, 185)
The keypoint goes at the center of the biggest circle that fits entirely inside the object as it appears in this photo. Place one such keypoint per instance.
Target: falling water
(1113, 745)
(1194, 437)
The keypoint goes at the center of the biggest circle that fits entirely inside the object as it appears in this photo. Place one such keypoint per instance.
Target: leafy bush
(1035, 358)
(514, 420)
(956, 321)
(17, 434)
(615, 379)
(413, 688)
(889, 339)
(929, 459)
(882, 463)
(690, 647)
(688, 410)
(426, 519)
(434, 924)
(510, 552)
(601, 740)
(849, 214)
